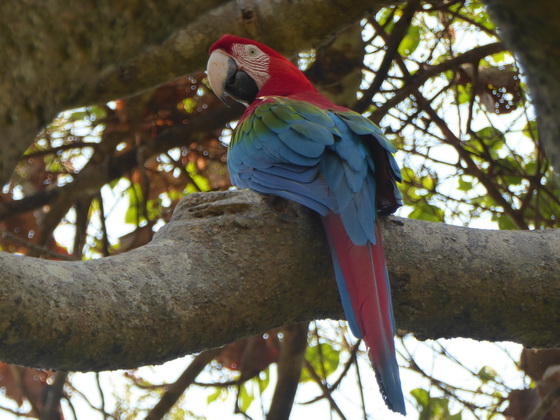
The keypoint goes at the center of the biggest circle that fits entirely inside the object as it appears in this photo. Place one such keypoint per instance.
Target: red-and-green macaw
(295, 143)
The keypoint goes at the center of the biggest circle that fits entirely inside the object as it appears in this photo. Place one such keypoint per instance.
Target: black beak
(241, 87)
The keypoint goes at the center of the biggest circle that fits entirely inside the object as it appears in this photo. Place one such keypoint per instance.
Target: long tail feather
(363, 283)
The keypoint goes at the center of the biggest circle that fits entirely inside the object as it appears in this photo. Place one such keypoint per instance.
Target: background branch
(177, 389)
(290, 363)
(103, 54)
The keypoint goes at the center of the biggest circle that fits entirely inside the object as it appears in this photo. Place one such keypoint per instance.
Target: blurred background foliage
(101, 180)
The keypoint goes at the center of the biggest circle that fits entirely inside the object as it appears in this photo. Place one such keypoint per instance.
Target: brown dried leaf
(497, 87)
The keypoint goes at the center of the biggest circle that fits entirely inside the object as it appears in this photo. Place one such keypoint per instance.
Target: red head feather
(285, 78)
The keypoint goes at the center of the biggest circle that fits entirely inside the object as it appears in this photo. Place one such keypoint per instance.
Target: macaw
(295, 143)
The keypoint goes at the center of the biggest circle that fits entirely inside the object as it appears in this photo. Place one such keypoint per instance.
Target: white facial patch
(253, 61)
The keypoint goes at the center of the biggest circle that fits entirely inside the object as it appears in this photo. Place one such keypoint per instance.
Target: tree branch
(177, 389)
(421, 76)
(392, 44)
(290, 364)
(54, 395)
(105, 53)
(88, 39)
(231, 264)
(284, 25)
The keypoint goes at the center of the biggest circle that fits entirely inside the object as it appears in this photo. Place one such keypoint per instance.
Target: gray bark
(233, 264)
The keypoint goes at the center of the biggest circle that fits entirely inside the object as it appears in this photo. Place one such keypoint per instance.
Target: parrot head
(245, 69)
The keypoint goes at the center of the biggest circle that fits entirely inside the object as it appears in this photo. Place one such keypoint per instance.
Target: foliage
(100, 180)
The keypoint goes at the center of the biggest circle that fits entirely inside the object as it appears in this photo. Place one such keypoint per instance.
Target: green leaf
(427, 212)
(421, 396)
(97, 112)
(214, 396)
(486, 140)
(178, 414)
(428, 182)
(463, 93)
(78, 115)
(154, 208)
(189, 105)
(246, 397)
(464, 185)
(201, 182)
(136, 201)
(500, 57)
(411, 41)
(487, 374)
(531, 130)
(323, 358)
(433, 408)
(505, 223)
(114, 182)
(383, 15)
(476, 11)
(407, 174)
(494, 137)
(135, 198)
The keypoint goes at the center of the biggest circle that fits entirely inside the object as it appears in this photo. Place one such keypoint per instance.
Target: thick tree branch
(88, 38)
(55, 394)
(233, 264)
(285, 25)
(104, 51)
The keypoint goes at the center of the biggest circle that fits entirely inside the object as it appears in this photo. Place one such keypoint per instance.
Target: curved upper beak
(221, 67)
(226, 77)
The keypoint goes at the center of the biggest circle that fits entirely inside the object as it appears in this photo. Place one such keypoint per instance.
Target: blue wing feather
(318, 158)
(314, 132)
(301, 144)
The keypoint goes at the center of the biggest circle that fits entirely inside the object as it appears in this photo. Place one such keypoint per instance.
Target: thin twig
(360, 386)
(344, 372)
(423, 75)
(36, 249)
(177, 389)
(101, 394)
(18, 413)
(88, 402)
(327, 391)
(545, 405)
(103, 221)
(56, 150)
(392, 44)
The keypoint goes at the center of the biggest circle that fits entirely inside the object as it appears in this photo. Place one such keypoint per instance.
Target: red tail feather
(367, 284)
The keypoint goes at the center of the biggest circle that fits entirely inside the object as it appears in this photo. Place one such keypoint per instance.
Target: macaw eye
(252, 51)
